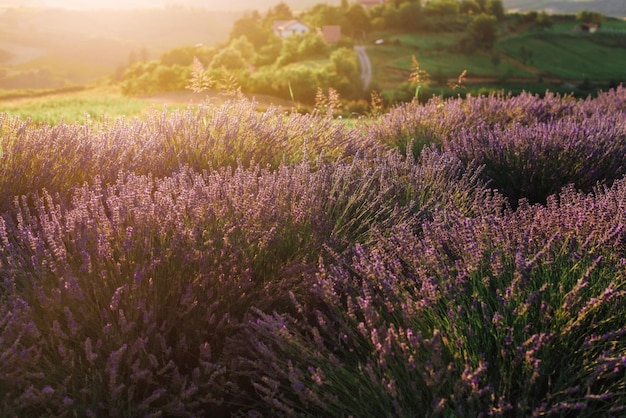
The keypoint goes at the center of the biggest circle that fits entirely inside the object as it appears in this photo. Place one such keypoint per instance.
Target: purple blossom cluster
(228, 262)
(530, 146)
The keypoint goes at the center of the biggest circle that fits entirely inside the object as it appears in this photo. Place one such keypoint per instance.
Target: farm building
(285, 28)
(370, 3)
(331, 33)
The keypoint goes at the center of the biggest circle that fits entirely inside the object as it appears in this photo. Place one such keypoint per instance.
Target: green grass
(435, 53)
(75, 107)
(571, 56)
(560, 54)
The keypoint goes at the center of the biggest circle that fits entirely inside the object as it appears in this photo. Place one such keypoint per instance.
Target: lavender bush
(530, 146)
(503, 314)
(133, 298)
(225, 262)
(64, 156)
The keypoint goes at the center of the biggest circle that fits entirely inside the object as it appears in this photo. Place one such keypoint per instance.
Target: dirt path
(366, 66)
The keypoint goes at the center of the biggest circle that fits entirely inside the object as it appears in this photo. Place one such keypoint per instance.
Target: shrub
(134, 298)
(530, 146)
(36, 157)
(505, 313)
(221, 261)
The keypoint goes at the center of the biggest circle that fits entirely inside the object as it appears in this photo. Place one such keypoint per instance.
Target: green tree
(184, 55)
(245, 48)
(543, 20)
(441, 8)
(469, 7)
(343, 73)
(587, 16)
(344, 62)
(229, 58)
(300, 80)
(357, 21)
(251, 26)
(171, 78)
(288, 51)
(323, 14)
(410, 15)
(281, 11)
(269, 52)
(482, 4)
(495, 8)
(311, 45)
(483, 30)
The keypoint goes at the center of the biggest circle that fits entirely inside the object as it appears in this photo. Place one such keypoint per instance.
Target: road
(366, 66)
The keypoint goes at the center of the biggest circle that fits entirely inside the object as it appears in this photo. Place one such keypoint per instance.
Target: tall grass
(221, 261)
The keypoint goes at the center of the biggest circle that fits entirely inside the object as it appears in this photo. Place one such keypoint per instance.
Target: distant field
(99, 103)
(92, 105)
(392, 60)
(572, 56)
(559, 54)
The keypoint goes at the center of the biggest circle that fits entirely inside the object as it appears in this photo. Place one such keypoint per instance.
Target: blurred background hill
(53, 44)
(615, 8)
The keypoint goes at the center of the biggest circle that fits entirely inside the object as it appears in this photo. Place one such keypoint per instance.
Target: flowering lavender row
(530, 146)
(224, 262)
(58, 158)
(134, 298)
(503, 314)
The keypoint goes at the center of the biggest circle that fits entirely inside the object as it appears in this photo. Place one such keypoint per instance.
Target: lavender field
(461, 258)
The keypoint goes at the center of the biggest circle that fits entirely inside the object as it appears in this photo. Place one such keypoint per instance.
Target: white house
(285, 28)
(370, 3)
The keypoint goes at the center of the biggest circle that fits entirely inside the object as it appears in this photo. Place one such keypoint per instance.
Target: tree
(344, 62)
(184, 55)
(441, 8)
(323, 14)
(469, 7)
(311, 45)
(170, 78)
(301, 82)
(281, 11)
(356, 20)
(495, 8)
(229, 58)
(543, 20)
(245, 48)
(289, 50)
(483, 30)
(482, 4)
(587, 16)
(410, 15)
(251, 26)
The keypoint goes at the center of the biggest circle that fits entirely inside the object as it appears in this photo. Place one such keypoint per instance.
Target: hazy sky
(134, 4)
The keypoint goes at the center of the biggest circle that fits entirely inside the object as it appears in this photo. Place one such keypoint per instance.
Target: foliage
(530, 147)
(587, 16)
(229, 58)
(219, 261)
(150, 77)
(483, 30)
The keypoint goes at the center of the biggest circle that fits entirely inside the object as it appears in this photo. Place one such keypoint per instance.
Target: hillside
(233, 5)
(615, 8)
(44, 48)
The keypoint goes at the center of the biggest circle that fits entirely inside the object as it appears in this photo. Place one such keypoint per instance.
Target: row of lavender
(226, 262)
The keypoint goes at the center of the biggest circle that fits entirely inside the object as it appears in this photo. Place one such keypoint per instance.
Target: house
(285, 28)
(370, 3)
(331, 33)
(589, 27)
